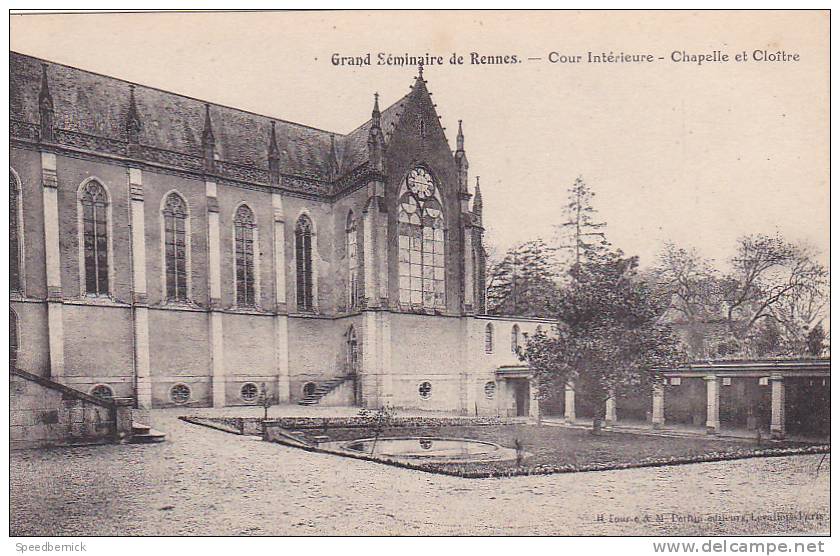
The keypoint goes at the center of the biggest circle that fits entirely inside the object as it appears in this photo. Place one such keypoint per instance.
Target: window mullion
(96, 249)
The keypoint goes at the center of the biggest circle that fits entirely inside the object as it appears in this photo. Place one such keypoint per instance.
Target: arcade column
(777, 407)
(712, 404)
(658, 415)
(570, 403)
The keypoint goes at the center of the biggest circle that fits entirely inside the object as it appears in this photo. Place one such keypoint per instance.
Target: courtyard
(207, 482)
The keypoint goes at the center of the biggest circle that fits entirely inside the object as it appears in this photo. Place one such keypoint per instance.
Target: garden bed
(554, 449)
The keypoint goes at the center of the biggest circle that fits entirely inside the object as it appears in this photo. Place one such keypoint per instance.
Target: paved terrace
(207, 482)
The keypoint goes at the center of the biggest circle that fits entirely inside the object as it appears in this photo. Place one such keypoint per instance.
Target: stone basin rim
(495, 448)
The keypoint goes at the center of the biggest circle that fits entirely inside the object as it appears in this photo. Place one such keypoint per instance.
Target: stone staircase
(307, 438)
(144, 434)
(322, 390)
(44, 412)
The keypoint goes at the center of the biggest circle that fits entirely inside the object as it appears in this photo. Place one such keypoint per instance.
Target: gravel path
(206, 482)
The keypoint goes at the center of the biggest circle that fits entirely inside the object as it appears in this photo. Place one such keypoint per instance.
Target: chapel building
(183, 253)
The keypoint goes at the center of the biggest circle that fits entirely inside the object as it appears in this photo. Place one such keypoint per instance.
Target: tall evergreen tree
(581, 233)
(523, 282)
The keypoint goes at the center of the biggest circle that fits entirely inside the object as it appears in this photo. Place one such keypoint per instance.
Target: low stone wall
(236, 425)
(301, 423)
(254, 425)
(45, 413)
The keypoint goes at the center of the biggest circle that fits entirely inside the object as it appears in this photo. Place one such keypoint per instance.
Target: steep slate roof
(97, 105)
(355, 150)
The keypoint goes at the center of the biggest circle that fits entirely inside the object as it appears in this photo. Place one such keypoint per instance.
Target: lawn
(554, 449)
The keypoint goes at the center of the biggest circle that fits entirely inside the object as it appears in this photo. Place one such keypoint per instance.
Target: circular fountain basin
(432, 449)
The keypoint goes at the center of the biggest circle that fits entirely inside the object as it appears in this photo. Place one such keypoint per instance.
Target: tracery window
(249, 392)
(15, 283)
(425, 390)
(244, 230)
(421, 242)
(94, 203)
(488, 338)
(352, 261)
(180, 393)
(175, 247)
(303, 261)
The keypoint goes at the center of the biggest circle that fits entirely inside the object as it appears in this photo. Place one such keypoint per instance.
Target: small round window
(425, 390)
(249, 392)
(490, 390)
(102, 391)
(309, 389)
(180, 393)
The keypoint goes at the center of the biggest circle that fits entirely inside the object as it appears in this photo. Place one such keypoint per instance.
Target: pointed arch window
(488, 338)
(352, 261)
(15, 278)
(94, 201)
(421, 241)
(175, 247)
(514, 338)
(303, 263)
(245, 227)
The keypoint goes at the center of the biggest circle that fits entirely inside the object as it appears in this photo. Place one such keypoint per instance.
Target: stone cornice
(72, 143)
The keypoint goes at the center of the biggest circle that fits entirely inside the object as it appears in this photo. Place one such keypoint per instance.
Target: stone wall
(41, 415)
(249, 355)
(97, 348)
(426, 349)
(179, 348)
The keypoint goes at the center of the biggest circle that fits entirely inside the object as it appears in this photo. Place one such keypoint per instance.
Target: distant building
(185, 253)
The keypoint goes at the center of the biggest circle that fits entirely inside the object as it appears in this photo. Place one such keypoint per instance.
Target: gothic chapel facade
(185, 253)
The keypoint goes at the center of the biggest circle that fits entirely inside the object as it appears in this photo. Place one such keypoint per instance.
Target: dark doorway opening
(522, 396)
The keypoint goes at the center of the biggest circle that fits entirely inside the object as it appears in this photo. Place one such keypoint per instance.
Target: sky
(675, 151)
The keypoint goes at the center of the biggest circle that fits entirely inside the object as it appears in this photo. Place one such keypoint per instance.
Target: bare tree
(769, 299)
(769, 278)
(688, 281)
(799, 313)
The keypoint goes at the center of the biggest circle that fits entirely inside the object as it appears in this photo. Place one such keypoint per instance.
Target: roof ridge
(203, 101)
